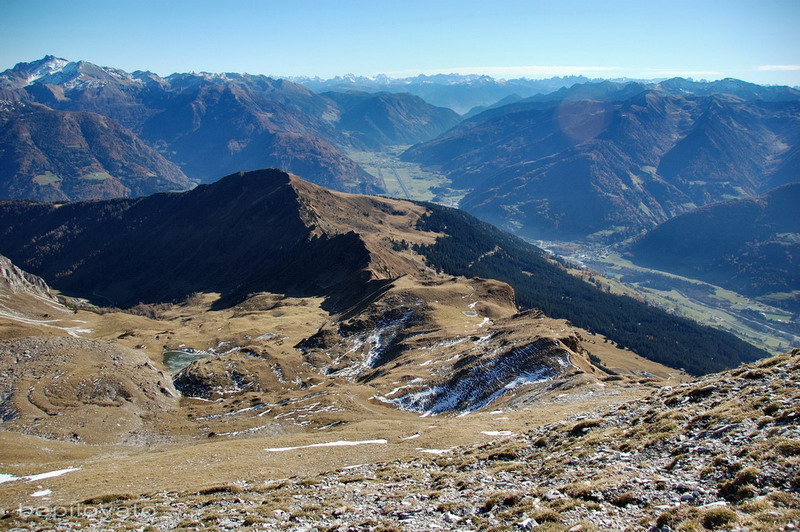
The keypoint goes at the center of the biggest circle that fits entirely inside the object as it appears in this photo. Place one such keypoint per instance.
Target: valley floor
(757, 322)
(407, 180)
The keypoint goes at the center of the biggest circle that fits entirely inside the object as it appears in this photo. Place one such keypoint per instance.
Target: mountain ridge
(368, 243)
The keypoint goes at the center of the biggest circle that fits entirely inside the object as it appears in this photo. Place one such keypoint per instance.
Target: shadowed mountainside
(751, 246)
(168, 246)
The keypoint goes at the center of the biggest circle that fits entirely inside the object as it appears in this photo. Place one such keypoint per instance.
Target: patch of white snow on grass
(434, 451)
(498, 433)
(330, 425)
(341, 443)
(50, 474)
(7, 478)
(245, 431)
(41, 493)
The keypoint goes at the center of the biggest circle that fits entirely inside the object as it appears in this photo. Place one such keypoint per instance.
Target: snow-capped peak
(45, 67)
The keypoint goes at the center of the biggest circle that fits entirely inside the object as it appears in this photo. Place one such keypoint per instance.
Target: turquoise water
(177, 360)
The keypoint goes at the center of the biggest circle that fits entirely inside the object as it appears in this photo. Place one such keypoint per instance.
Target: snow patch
(498, 433)
(75, 332)
(340, 443)
(434, 451)
(245, 431)
(51, 474)
(41, 493)
(226, 414)
(480, 385)
(5, 477)
(380, 338)
(330, 425)
(46, 68)
(444, 343)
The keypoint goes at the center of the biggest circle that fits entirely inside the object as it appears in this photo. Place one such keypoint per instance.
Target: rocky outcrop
(81, 390)
(230, 374)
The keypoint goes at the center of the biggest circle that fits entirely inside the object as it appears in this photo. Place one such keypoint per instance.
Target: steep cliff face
(28, 308)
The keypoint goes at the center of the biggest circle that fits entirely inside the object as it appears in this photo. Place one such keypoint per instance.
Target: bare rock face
(15, 280)
(230, 374)
(28, 308)
(81, 390)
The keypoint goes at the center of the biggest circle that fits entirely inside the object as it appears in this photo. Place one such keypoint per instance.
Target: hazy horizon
(743, 39)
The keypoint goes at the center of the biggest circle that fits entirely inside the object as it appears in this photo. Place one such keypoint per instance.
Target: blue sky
(753, 40)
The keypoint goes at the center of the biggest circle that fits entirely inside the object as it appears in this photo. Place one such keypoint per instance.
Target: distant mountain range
(751, 246)
(605, 161)
(459, 92)
(273, 232)
(207, 124)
